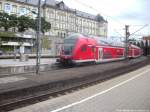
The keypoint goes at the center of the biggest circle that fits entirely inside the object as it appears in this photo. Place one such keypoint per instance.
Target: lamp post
(38, 41)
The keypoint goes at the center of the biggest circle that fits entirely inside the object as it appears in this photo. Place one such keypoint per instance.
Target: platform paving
(127, 93)
(52, 80)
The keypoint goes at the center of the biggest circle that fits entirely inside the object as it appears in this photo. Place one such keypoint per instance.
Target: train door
(100, 54)
(94, 52)
(132, 52)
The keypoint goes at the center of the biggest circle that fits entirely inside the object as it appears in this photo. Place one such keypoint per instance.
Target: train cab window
(69, 45)
(83, 48)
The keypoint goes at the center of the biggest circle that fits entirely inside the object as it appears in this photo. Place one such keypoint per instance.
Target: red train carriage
(134, 51)
(78, 49)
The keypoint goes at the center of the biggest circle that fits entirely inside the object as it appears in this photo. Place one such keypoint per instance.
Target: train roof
(100, 40)
(107, 41)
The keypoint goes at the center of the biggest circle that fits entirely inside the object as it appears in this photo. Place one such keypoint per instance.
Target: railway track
(65, 87)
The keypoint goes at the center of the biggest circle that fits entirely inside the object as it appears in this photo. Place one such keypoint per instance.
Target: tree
(134, 43)
(146, 47)
(138, 44)
(24, 23)
(4, 21)
(13, 20)
(8, 21)
(143, 47)
(45, 26)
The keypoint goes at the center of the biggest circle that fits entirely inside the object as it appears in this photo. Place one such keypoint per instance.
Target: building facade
(64, 20)
(146, 38)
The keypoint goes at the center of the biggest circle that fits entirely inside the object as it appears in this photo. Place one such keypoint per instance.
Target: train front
(67, 51)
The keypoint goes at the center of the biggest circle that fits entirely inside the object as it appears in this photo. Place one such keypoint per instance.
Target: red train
(78, 48)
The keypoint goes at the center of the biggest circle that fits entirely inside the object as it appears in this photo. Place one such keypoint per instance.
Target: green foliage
(23, 23)
(7, 21)
(7, 34)
(7, 48)
(142, 44)
(4, 21)
(138, 44)
(13, 20)
(134, 43)
(45, 26)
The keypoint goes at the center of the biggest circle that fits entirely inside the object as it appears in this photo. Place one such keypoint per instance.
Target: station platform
(17, 62)
(52, 80)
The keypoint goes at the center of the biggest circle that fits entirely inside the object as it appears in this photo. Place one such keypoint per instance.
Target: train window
(93, 49)
(69, 41)
(101, 42)
(83, 48)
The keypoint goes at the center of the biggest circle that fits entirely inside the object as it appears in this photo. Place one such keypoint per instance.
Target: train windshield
(68, 46)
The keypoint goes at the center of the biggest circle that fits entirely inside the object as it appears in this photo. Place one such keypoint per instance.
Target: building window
(22, 11)
(28, 0)
(64, 26)
(57, 25)
(7, 8)
(52, 14)
(29, 12)
(48, 15)
(60, 26)
(14, 9)
(61, 35)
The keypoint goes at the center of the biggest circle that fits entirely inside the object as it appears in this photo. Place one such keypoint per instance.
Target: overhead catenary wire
(139, 29)
(118, 33)
(112, 18)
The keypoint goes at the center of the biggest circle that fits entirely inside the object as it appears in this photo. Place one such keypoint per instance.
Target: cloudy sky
(118, 13)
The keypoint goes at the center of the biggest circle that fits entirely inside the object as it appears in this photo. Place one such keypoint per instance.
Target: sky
(118, 13)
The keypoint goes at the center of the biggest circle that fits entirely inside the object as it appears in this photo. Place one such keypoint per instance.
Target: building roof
(61, 5)
(146, 37)
(85, 15)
